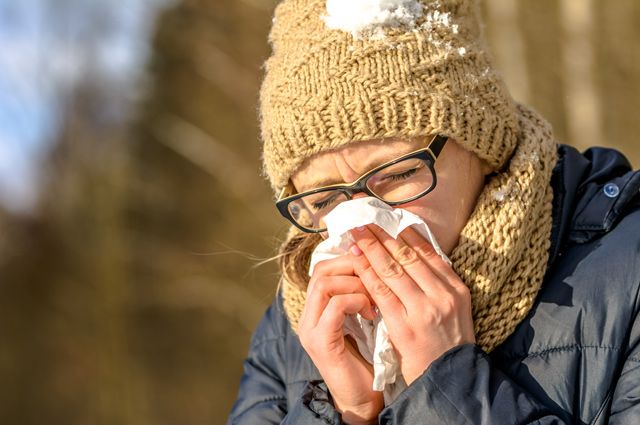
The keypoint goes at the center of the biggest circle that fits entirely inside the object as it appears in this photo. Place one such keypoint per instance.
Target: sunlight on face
(460, 173)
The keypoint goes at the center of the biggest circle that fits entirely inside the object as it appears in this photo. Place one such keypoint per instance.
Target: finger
(335, 266)
(392, 309)
(329, 287)
(338, 308)
(404, 253)
(339, 266)
(428, 254)
(391, 270)
(448, 286)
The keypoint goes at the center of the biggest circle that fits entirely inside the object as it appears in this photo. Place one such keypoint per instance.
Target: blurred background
(133, 220)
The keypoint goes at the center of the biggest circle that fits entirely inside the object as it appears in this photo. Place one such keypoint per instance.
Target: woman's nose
(359, 195)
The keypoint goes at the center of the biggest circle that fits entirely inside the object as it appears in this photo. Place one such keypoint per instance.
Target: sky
(45, 46)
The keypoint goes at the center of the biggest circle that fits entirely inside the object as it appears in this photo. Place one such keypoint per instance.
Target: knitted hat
(349, 70)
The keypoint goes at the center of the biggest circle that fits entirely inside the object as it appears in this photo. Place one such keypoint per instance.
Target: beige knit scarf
(504, 248)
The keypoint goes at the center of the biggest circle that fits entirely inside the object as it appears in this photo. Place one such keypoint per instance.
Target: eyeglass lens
(395, 183)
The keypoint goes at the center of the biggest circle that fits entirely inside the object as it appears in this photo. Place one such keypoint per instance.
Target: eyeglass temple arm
(437, 144)
(286, 191)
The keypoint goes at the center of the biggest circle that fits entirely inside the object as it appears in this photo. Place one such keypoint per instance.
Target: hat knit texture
(324, 88)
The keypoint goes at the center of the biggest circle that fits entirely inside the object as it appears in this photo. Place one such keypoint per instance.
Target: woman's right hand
(334, 292)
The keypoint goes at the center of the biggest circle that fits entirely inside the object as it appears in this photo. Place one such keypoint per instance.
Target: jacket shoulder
(592, 290)
(601, 264)
(274, 324)
(594, 192)
(262, 396)
(592, 283)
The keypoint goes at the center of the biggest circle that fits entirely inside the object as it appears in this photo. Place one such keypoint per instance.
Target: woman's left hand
(426, 307)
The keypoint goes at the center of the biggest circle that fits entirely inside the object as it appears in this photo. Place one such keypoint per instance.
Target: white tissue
(372, 337)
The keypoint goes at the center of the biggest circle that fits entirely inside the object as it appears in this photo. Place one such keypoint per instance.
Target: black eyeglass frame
(429, 153)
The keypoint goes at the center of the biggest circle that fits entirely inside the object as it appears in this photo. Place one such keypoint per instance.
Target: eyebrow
(327, 181)
(321, 182)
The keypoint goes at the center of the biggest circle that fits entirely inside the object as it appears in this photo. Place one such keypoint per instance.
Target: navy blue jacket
(574, 359)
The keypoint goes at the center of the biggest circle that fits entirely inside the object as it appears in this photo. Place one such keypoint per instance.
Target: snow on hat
(343, 71)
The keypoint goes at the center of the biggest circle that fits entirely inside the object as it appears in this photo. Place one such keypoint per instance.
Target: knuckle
(406, 256)
(331, 346)
(448, 308)
(362, 266)
(368, 243)
(426, 249)
(320, 268)
(324, 267)
(448, 305)
(435, 315)
(464, 293)
(381, 289)
(391, 270)
(342, 302)
(335, 304)
(315, 285)
(406, 333)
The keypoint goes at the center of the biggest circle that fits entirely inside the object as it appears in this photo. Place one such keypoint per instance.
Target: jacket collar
(592, 191)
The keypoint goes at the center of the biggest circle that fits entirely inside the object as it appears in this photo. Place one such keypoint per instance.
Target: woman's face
(461, 175)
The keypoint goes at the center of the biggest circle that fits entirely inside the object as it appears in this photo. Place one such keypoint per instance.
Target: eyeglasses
(396, 182)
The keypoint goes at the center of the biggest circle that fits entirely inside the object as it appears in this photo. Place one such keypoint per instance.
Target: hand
(334, 292)
(426, 307)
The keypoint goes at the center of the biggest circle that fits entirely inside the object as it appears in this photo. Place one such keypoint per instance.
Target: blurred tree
(196, 189)
(617, 62)
(581, 66)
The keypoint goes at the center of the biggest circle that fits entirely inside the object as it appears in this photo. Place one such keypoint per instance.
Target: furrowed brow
(321, 182)
(368, 166)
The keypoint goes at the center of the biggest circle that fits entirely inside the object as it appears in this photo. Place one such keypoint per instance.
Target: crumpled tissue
(371, 336)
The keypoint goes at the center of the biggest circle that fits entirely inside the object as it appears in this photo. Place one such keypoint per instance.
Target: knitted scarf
(504, 248)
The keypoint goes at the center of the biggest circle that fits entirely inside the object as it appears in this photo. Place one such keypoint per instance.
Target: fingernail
(355, 250)
(360, 228)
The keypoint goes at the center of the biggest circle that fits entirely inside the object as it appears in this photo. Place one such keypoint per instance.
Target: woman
(535, 321)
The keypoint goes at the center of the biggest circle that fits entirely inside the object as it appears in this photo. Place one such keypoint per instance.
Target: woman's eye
(323, 204)
(402, 176)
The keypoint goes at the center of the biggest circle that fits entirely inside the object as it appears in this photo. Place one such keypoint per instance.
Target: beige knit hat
(412, 68)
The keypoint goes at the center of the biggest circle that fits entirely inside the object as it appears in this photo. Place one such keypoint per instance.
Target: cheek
(446, 210)
(434, 212)
(449, 202)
